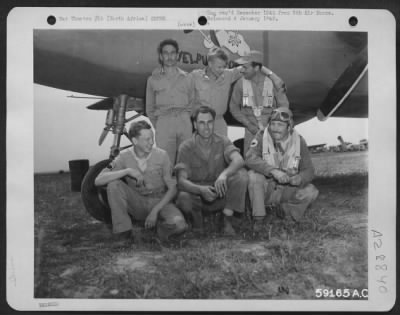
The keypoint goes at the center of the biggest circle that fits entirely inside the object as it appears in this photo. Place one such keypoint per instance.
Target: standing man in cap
(168, 100)
(213, 83)
(210, 173)
(281, 170)
(255, 95)
(139, 184)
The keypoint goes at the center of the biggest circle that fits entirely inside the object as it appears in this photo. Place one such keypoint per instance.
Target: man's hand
(208, 193)
(280, 176)
(295, 180)
(151, 219)
(136, 175)
(221, 185)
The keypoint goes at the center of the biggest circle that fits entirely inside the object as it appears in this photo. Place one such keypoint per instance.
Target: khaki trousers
(264, 191)
(124, 200)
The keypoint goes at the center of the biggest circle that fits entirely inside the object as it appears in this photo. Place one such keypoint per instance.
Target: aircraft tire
(95, 198)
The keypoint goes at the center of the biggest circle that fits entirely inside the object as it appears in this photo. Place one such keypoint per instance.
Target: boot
(164, 231)
(122, 238)
(228, 228)
(258, 225)
(197, 222)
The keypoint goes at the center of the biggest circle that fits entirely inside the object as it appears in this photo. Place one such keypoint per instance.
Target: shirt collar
(214, 138)
(160, 71)
(140, 159)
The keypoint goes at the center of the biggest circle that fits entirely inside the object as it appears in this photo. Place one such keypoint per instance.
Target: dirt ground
(75, 256)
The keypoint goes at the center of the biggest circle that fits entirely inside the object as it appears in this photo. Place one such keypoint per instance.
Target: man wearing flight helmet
(255, 95)
(281, 170)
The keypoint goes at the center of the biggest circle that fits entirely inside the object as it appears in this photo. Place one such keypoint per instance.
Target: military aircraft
(325, 73)
(316, 148)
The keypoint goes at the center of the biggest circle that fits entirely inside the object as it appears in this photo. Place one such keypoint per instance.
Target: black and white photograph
(210, 161)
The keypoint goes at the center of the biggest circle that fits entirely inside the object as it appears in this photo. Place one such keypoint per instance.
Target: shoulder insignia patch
(253, 143)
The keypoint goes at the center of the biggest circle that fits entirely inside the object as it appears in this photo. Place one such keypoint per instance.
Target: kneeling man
(210, 173)
(139, 184)
(280, 170)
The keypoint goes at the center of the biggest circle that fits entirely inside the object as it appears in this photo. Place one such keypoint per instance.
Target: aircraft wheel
(95, 198)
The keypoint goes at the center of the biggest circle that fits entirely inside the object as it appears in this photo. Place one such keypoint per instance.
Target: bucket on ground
(78, 169)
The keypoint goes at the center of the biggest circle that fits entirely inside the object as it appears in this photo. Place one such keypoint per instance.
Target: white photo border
(382, 142)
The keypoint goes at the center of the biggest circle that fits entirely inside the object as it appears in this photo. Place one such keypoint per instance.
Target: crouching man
(210, 173)
(139, 184)
(280, 170)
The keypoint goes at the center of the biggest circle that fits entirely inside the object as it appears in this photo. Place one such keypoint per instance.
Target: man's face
(169, 56)
(248, 71)
(145, 141)
(279, 130)
(204, 125)
(217, 66)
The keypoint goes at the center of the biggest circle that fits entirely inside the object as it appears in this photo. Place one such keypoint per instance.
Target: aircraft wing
(325, 72)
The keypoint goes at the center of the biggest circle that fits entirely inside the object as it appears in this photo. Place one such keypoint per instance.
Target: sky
(64, 130)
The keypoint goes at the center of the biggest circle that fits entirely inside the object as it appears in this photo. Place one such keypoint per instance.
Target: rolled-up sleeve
(167, 171)
(183, 159)
(116, 165)
(229, 148)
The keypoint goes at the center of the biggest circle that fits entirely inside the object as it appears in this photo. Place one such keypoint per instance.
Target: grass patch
(76, 257)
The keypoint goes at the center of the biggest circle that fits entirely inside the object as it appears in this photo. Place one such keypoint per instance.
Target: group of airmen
(195, 168)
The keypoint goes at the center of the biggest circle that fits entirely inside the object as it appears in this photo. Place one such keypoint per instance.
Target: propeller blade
(105, 104)
(103, 135)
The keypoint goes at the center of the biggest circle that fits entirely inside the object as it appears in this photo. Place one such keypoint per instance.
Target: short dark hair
(136, 128)
(203, 110)
(217, 53)
(166, 42)
(255, 64)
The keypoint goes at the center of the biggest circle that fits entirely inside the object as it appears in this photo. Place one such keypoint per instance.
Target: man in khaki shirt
(168, 100)
(139, 183)
(210, 173)
(255, 95)
(212, 85)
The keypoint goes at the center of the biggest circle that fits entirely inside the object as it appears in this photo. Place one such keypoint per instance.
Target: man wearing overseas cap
(212, 85)
(281, 170)
(256, 95)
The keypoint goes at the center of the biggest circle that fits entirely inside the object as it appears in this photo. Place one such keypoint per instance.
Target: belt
(168, 111)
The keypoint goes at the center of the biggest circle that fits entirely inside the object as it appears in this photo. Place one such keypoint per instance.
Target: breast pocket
(160, 86)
